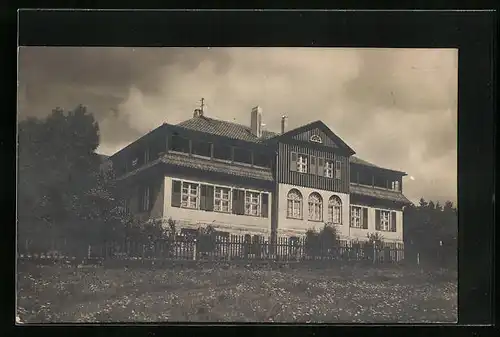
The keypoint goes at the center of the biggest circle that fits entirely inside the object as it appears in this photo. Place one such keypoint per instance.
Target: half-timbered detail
(247, 179)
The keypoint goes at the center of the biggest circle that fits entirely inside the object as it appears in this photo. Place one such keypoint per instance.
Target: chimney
(283, 124)
(256, 121)
(197, 113)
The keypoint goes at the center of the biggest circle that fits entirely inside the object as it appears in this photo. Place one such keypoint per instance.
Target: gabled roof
(225, 129)
(323, 127)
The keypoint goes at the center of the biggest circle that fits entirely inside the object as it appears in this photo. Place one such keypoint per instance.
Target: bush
(323, 242)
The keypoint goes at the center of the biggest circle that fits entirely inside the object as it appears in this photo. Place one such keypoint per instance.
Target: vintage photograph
(272, 185)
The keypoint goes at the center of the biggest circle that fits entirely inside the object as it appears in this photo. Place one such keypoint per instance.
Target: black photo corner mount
(472, 32)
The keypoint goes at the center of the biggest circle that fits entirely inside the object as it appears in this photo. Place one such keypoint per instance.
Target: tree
(61, 191)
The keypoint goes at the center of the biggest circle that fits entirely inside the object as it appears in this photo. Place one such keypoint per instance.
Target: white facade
(361, 234)
(288, 226)
(232, 223)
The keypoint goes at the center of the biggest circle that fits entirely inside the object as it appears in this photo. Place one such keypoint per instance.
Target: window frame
(302, 165)
(257, 204)
(189, 195)
(359, 217)
(222, 200)
(297, 204)
(333, 207)
(328, 169)
(317, 207)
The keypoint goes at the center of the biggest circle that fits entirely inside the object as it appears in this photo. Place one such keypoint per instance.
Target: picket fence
(236, 247)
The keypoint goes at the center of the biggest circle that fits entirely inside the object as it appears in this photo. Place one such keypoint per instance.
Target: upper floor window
(316, 139)
(385, 220)
(359, 217)
(315, 207)
(223, 152)
(294, 204)
(179, 144)
(338, 169)
(334, 210)
(242, 155)
(329, 169)
(395, 185)
(302, 163)
(201, 148)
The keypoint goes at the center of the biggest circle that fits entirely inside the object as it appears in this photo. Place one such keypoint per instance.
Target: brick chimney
(283, 124)
(256, 121)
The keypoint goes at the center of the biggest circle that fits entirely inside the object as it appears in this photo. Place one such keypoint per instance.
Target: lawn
(235, 294)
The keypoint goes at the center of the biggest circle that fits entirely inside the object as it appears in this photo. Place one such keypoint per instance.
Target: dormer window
(316, 139)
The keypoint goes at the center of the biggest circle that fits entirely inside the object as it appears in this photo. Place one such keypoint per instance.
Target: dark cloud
(396, 108)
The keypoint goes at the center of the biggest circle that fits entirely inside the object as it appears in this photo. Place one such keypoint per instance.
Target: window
(395, 185)
(222, 200)
(338, 171)
(223, 152)
(356, 216)
(316, 139)
(385, 220)
(302, 163)
(252, 203)
(135, 162)
(334, 210)
(315, 207)
(294, 208)
(359, 217)
(242, 155)
(201, 148)
(261, 159)
(144, 199)
(189, 195)
(329, 169)
(179, 144)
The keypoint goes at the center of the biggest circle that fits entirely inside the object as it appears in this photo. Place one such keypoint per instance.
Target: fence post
(418, 259)
(88, 253)
(374, 253)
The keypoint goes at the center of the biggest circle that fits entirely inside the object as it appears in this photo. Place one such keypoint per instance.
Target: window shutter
(293, 161)
(338, 169)
(209, 198)
(265, 205)
(203, 197)
(377, 219)
(393, 221)
(151, 194)
(238, 202)
(321, 167)
(365, 218)
(312, 165)
(140, 199)
(176, 193)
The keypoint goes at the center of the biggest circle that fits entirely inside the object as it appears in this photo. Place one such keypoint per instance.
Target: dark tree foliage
(62, 191)
(431, 231)
(323, 242)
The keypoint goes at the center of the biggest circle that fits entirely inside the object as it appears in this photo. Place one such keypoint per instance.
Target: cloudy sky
(395, 107)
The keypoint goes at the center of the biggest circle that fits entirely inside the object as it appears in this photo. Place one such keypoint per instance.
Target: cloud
(396, 108)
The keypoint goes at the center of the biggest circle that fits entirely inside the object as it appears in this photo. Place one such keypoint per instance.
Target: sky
(397, 108)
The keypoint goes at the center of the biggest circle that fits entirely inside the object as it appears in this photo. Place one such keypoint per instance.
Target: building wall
(236, 224)
(289, 227)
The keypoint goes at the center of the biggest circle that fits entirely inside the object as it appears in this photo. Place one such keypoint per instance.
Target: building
(246, 180)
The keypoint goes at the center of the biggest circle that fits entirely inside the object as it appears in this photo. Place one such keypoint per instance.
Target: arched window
(315, 207)
(294, 208)
(334, 210)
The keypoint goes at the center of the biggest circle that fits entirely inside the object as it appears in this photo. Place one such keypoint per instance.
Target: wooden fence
(235, 247)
